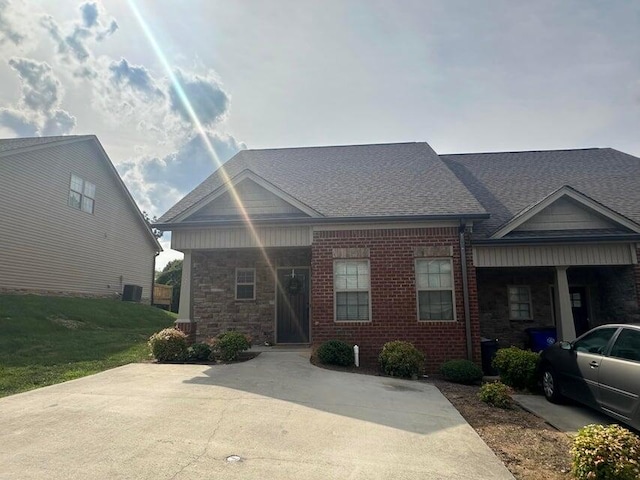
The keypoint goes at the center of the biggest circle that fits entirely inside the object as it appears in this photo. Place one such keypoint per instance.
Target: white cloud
(158, 183)
(37, 111)
(207, 98)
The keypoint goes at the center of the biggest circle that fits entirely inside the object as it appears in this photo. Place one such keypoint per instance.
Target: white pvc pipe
(356, 355)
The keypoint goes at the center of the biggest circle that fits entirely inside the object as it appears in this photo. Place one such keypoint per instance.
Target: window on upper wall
(245, 284)
(434, 282)
(82, 194)
(351, 290)
(519, 302)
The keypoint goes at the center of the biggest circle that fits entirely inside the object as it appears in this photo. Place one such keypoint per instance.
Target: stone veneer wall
(494, 302)
(619, 295)
(215, 308)
(611, 295)
(392, 255)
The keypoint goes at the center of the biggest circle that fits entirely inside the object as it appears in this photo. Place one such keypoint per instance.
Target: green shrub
(401, 359)
(335, 352)
(496, 394)
(461, 371)
(517, 367)
(169, 345)
(229, 345)
(606, 453)
(199, 352)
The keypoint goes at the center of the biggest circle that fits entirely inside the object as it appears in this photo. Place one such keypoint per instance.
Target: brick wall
(215, 308)
(393, 294)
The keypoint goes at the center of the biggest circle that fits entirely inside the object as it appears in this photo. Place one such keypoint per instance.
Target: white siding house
(69, 224)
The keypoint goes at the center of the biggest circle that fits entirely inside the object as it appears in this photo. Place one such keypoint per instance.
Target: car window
(627, 345)
(595, 342)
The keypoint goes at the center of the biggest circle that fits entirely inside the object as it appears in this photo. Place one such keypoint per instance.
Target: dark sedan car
(600, 369)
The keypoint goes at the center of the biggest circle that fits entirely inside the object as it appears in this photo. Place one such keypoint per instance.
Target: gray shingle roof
(401, 179)
(9, 144)
(506, 183)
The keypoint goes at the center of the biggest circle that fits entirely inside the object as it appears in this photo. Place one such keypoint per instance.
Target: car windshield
(595, 342)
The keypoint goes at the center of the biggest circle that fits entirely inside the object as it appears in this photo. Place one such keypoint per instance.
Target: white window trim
(82, 194)
(336, 291)
(236, 284)
(509, 303)
(452, 289)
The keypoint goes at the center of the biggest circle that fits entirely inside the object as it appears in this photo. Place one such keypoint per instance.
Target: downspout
(153, 276)
(465, 290)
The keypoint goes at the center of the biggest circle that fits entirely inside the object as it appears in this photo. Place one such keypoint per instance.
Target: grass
(47, 340)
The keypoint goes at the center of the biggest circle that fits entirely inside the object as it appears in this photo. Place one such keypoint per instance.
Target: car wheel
(550, 385)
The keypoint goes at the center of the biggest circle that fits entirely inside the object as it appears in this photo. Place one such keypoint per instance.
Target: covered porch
(570, 287)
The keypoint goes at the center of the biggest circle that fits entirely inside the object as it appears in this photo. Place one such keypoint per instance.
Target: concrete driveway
(282, 416)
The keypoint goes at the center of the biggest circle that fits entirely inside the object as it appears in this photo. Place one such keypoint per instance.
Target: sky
(464, 76)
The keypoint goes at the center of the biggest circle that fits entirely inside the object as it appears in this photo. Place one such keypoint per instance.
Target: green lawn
(47, 340)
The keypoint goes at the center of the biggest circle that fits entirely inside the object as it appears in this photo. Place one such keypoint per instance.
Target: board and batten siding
(565, 214)
(47, 245)
(241, 237)
(554, 255)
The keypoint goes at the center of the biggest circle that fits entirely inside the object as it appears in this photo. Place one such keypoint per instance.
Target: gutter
(612, 238)
(465, 290)
(319, 220)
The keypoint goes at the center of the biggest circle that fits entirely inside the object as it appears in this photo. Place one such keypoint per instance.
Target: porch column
(184, 321)
(564, 316)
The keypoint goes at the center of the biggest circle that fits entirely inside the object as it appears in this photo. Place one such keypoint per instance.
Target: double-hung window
(352, 290)
(519, 302)
(245, 284)
(82, 194)
(434, 281)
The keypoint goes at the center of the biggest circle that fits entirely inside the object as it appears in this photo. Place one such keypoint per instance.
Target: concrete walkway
(282, 417)
(567, 418)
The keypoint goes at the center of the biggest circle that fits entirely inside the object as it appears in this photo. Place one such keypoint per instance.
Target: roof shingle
(402, 179)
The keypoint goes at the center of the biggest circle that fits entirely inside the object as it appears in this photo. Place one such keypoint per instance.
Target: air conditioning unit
(131, 293)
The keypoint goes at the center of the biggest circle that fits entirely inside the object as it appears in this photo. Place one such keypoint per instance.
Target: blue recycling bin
(541, 337)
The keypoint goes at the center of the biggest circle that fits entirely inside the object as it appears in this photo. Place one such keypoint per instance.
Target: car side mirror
(566, 345)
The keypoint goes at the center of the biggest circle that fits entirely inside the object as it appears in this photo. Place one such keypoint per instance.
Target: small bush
(461, 371)
(169, 345)
(229, 345)
(335, 352)
(606, 453)
(496, 394)
(517, 367)
(401, 359)
(199, 352)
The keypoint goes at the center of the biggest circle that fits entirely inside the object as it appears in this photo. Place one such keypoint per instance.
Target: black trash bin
(488, 349)
(541, 337)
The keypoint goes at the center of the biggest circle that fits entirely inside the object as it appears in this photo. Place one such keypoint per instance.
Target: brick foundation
(393, 294)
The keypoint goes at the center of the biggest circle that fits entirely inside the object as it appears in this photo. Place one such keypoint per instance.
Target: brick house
(373, 243)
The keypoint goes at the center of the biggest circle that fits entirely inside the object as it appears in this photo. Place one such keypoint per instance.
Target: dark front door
(580, 309)
(292, 305)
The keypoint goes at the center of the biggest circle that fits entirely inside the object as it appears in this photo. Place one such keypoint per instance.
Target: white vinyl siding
(241, 237)
(48, 246)
(256, 201)
(552, 255)
(434, 282)
(245, 284)
(520, 307)
(565, 214)
(351, 282)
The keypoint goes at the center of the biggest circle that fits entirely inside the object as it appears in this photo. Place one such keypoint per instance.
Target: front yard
(47, 340)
